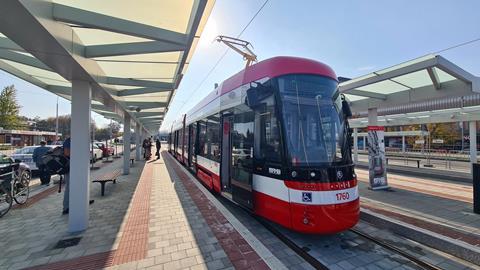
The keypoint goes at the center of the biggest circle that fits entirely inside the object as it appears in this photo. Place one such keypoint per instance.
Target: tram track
(317, 264)
(417, 261)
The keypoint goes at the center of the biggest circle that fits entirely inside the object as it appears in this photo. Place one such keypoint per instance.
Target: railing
(456, 160)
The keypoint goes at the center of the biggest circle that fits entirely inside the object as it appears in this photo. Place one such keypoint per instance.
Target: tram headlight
(294, 174)
(312, 174)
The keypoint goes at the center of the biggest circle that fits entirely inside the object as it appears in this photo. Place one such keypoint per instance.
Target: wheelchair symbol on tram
(306, 197)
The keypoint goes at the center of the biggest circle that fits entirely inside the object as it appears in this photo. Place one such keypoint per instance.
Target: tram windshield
(314, 124)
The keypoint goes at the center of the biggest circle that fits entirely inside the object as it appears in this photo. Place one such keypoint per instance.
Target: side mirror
(256, 93)
(346, 109)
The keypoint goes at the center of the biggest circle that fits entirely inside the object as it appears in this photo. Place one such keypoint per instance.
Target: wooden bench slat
(107, 177)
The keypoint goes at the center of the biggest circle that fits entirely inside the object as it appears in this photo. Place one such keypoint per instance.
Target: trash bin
(476, 188)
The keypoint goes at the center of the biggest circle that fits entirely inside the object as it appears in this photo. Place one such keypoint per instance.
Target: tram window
(193, 140)
(268, 131)
(202, 138)
(180, 141)
(242, 143)
(213, 138)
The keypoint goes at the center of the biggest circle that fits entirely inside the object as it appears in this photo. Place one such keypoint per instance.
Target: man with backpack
(42, 168)
(158, 146)
(66, 195)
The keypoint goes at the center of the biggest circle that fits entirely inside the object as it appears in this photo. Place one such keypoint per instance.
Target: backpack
(56, 162)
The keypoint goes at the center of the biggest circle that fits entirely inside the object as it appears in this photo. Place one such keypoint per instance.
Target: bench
(108, 177)
(404, 159)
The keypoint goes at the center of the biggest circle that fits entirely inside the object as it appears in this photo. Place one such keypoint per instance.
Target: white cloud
(365, 68)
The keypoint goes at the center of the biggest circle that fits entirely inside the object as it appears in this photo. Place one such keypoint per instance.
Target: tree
(102, 134)
(115, 127)
(9, 109)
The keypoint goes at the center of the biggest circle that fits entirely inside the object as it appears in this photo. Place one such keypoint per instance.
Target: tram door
(241, 149)
(226, 153)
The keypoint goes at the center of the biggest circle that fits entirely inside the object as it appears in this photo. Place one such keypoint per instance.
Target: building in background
(25, 137)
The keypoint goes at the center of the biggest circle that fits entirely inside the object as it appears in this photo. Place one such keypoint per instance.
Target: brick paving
(41, 225)
(158, 218)
(441, 206)
(154, 218)
(240, 253)
(444, 189)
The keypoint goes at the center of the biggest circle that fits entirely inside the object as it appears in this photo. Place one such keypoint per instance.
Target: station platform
(154, 218)
(443, 209)
(160, 217)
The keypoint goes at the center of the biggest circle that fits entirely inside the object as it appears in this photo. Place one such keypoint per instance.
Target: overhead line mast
(240, 46)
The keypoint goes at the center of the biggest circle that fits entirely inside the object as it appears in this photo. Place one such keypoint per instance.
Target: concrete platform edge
(448, 245)
(270, 259)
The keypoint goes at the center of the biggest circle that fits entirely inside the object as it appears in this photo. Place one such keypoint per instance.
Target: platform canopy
(134, 53)
(423, 90)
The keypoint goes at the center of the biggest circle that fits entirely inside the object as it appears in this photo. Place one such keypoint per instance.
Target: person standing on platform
(66, 194)
(147, 148)
(158, 146)
(42, 168)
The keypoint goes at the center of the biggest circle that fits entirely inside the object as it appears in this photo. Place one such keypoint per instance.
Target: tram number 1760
(343, 196)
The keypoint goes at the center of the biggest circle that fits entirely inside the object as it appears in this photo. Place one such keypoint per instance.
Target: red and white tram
(274, 138)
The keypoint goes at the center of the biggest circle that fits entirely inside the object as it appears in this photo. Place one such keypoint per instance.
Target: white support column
(126, 144)
(372, 117)
(138, 144)
(79, 157)
(473, 141)
(355, 145)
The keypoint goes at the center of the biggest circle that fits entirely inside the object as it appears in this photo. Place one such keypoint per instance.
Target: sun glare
(209, 33)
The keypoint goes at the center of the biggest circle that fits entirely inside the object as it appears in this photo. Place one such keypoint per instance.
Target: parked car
(96, 154)
(107, 151)
(23, 169)
(25, 155)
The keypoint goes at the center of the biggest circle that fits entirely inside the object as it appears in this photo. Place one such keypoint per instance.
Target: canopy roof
(134, 52)
(416, 89)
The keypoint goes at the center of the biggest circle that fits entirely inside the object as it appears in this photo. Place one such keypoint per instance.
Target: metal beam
(23, 59)
(140, 115)
(364, 93)
(406, 98)
(53, 43)
(60, 90)
(132, 48)
(100, 21)
(20, 74)
(459, 73)
(356, 83)
(145, 105)
(425, 118)
(193, 23)
(140, 91)
(135, 82)
(434, 77)
(7, 44)
(155, 119)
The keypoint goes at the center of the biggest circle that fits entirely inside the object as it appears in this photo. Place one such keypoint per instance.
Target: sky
(353, 37)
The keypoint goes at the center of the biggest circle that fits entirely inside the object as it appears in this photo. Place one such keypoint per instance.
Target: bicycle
(14, 185)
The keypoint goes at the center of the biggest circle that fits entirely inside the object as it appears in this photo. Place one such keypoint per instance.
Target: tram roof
(133, 52)
(424, 90)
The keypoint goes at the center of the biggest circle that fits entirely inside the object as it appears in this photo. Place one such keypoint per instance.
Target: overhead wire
(458, 45)
(224, 54)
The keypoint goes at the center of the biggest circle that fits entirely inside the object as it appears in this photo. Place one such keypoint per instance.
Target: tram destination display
(376, 158)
